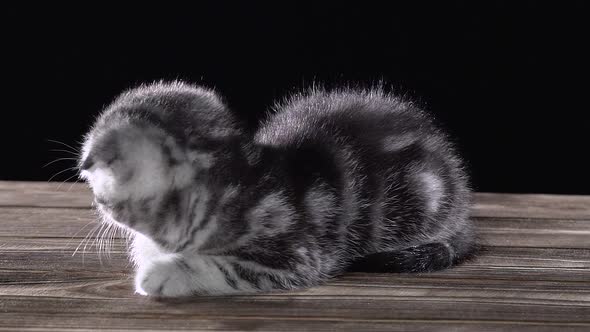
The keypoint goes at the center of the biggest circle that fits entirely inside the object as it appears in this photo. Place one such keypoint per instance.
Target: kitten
(332, 181)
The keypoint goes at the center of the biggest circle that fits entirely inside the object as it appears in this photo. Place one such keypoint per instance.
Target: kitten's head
(131, 167)
(133, 160)
(152, 143)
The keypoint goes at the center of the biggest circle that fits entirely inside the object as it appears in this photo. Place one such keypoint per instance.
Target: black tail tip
(428, 257)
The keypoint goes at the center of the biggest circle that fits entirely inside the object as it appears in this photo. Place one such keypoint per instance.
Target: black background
(508, 79)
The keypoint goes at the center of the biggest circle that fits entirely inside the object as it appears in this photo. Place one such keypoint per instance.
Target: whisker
(102, 250)
(84, 241)
(96, 242)
(95, 238)
(61, 184)
(56, 160)
(81, 229)
(62, 143)
(58, 173)
(125, 235)
(110, 240)
(97, 230)
(100, 242)
(113, 238)
(72, 185)
(86, 237)
(62, 150)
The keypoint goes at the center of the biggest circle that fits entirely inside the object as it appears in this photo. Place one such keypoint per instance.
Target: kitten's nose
(87, 164)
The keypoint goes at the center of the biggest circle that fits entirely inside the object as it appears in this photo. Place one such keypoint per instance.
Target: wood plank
(532, 274)
(197, 322)
(76, 223)
(40, 267)
(59, 251)
(551, 233)
(64, 244)
(46, 222)
(119, 311)
(36, 264)
(40, 194)
(531, 206)
(63, 248)
(250, 324)
(515, 286)
(44, 194)
(348, 299)
(518, 274)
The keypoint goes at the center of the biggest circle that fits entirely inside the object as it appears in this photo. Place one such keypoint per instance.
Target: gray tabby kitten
(332, 181)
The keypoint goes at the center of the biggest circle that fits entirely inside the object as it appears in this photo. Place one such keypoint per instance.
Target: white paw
(164, 279)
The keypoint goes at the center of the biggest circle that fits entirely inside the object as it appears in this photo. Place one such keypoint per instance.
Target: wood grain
(45, 194)
(533, 274)
(526, 232)
(531, 206)
(493, 231)
(45, 222)
(77, 195)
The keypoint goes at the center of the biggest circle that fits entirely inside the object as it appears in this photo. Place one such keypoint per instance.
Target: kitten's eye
(87, 164)
(111, 161)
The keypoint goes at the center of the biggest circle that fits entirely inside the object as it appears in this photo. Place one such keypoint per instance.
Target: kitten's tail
(426, 257)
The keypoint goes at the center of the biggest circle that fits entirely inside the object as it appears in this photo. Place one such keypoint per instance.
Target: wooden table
(532, 275)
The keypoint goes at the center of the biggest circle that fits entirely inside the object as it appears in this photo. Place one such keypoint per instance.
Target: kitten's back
(406, 198)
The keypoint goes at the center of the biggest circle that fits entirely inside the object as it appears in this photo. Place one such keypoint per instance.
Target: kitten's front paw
(164, 279)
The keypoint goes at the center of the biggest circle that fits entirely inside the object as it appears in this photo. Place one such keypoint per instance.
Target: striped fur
(331, 181)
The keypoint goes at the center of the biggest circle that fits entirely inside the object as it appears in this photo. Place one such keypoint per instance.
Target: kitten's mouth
(107, 212)
(104, 209)
(103, 205)
(100, 201)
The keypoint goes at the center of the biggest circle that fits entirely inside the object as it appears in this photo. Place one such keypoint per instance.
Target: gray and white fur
(332, 181)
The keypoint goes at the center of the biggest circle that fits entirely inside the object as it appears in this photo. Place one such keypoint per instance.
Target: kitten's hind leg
(421, 258)
(426, 257)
